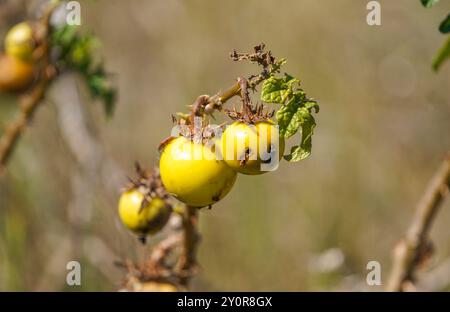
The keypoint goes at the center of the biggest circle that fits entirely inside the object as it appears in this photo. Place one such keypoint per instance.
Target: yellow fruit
(154, 287)
(146, 220)
(248, 149)
(19, 41)
(15, 75)
(192, 173)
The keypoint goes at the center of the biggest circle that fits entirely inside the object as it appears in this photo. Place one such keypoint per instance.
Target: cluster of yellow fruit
(203, 182)
(16, 64)
(200, 182)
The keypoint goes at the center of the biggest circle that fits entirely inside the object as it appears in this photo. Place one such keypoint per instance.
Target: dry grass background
(383, 128)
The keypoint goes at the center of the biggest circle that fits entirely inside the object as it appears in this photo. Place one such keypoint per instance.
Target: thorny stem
(199, 103)
(188, 259)
(228, 94)
(265, 59)
(29, 102)
(245, 96)
(409, 252)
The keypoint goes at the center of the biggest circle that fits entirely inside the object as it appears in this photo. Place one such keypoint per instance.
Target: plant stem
(231, 92)
(265, 59)
(188, 259)
(410, 251)
(245, 96)
(29, 102)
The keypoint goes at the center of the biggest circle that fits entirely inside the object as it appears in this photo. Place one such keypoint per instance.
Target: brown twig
(411, 251)
(29, 102)
(264, 58)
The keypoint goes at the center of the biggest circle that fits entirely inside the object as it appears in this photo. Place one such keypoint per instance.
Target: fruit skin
(245, 134)
(19, 41)
(154, 287)
(196, 182)
(149, 220)
(15, 74)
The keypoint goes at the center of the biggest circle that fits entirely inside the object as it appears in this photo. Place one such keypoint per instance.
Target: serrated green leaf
(302, 151)
(277, 90)
(444, 27)
(292, 115)
(429, 3)
(289, 115)
(295, 112)
(442, 55)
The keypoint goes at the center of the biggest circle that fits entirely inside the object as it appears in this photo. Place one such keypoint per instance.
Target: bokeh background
(383, 129)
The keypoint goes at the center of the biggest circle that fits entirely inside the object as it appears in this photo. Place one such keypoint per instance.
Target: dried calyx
(148, 182)
(249, 113)
(257, 113)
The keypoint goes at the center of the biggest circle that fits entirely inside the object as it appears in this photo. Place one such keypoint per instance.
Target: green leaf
(292, 115)
(302, 151)
(445, 25)
(100, 87)
(296, 114)
(277, 90)
(76, 52)
(429, 3)
(442, 55)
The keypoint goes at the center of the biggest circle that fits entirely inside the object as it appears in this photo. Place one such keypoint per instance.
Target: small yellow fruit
(143, 220)
(19, 41)
(15, 75)
(242, 146)
(154, 287)
(192, 173)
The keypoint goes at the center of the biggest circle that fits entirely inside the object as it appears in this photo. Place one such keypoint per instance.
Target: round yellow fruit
(154, 287)
(193, 174)
(249, 148)
(143, 220)
(15, 74)
(19, 41)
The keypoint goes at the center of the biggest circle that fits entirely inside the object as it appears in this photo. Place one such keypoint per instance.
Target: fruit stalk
(411, 251)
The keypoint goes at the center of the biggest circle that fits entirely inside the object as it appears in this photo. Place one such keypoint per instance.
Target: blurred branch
(96, 170)
(163, 248)
(50, 275)
(187, 262)
(100, 255)
(11, 10)
(81, 140)
(436, 280)
(29, 102)
(13, 131)
(411, 251)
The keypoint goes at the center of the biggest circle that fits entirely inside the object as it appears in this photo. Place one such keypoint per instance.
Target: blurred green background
(383, 128)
